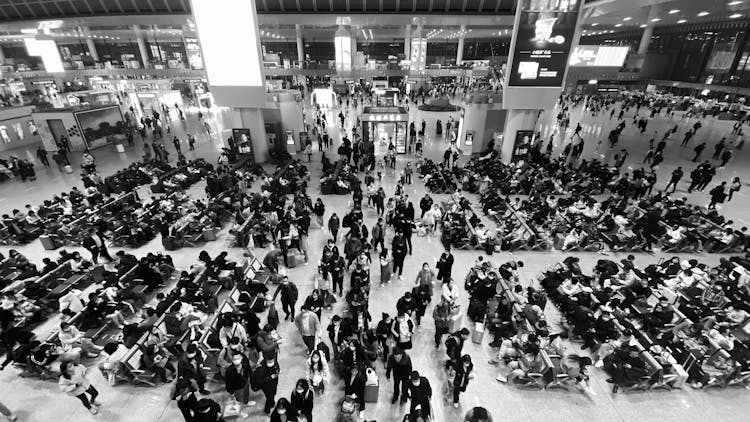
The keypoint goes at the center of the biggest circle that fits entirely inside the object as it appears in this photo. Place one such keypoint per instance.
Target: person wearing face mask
(284, 412)
(400, 364)
(308, 324)
(353, 355)
(426, 277)
(463, 373)
(420, 393)
(190, 366)
(302, 400)
(224, 359)
(318, 371)
(266, 377)
(337, 333)
(237, 378)
(184, 395)
(354, 385)
(402, 330)
(383, 331)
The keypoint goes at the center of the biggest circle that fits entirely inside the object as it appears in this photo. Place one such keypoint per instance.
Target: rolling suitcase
(372, 387)
(478, 333)
(48, 243)
(68, 169)
(454, 324)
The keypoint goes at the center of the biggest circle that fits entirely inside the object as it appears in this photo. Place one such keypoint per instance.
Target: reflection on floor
(42, 401)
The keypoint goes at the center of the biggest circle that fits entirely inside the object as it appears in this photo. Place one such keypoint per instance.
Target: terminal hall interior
(374, 210)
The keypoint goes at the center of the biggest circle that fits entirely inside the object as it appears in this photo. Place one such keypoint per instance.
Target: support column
(90, 44)
(407, 42)
(344, 46)
(648, 31)
(460, 50)
(516, 120)
(252, 118)
(141, 46)
(300, 46)
(2, 56)
(418, 50)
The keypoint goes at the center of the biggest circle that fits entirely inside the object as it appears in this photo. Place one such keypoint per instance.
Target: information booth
(381, 125)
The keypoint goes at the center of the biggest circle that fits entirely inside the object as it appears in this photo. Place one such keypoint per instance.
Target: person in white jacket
(317, 372)
(73, 381)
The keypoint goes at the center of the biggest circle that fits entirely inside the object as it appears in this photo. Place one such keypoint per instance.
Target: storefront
(383, 125)
(387, 97)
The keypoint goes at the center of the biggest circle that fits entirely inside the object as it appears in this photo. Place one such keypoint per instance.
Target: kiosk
(381, 125)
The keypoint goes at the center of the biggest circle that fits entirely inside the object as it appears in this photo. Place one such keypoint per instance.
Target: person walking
(319, 209)
(445, 265)
(41, 154)
(398, 248)
(289, 294)
(734, 187)
(185, 397)
(308, 324)
(354, 386)
(676, 176)
(73, 382)
(718, 195)
(399, 363)
(266, 377)
(333, 225)
(385, 267)
(237, 380)
(378, 234)
(725, 157)
(698, 151)
(462, 370)
(302, 399)
(95, 245)
(426, 278)
(420, 393)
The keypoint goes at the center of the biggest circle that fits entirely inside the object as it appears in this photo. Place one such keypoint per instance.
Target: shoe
(455, 405)
(204, 392)
(502, 379)
(401, 278)
(12, 417)
(599, 363)
(361, 414)
(94, 411)
(92, 354)
(394, 399)
(96, 403)
(404, 399)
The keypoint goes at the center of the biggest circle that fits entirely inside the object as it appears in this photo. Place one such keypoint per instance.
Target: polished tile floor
(42, 401)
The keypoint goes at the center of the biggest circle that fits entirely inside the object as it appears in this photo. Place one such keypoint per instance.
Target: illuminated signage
(194, 54)
(542, 42)
(598, 56)
(47, 50)
(223, 24)
(343, 46)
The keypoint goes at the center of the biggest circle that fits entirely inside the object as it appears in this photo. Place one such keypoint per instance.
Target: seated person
(529, 363)
(112, 365)
(73, 341)
(625, 367)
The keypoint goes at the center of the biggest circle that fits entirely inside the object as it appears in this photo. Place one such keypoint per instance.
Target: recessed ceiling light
(618, 25)
(673, 11)
(681, 21)
(644, 25)
(734, 3)
(627, 18)
(735, 16)
(655, 20)
(594, 24)
(703, 14)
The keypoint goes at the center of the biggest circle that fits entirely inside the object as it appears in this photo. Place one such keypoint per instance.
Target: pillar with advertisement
(544, 33)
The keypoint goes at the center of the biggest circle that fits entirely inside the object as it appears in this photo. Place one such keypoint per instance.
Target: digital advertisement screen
(543, 40)
(598, 56)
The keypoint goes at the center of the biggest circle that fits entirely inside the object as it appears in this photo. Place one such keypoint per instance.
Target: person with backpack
(445, 265)
(302, 399)
(718, 195)
(265, 378)
(319, 209)
(237, 378)
(462, 370)
(333, 225)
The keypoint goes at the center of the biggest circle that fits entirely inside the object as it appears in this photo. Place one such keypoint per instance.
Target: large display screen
(543, 39)
(101, 125)
(598, 56)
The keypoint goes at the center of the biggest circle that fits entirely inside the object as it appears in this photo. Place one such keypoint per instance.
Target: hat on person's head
(414, 375)
(627, 264)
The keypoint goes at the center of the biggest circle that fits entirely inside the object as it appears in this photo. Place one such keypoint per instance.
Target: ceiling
(608, 16)
(15, 10)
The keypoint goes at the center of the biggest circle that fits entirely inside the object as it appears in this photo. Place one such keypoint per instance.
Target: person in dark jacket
(383, 331)
(267, 377)
(185, 397)
(284, 412)
(454, 344)
(302, 399)
(421, 394)
(463, 373)
(354, 385)
(400, 364)
(445, 265)
(236, 378)
(190, 366)
(399, 250)
(289, 295)
(207, 410)
(338, 332)
(95, 244)
(333, 225)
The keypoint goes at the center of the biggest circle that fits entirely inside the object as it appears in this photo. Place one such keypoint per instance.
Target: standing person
(696, 176)
(73, 381)
(177, 146)
(354, 385)
(426, 278)
(676, 176)
(403, 330)
(734, 187)
(441, 314)
(398, 248)
(445, 265)
(266, 376)
(41, 154)
(420, 393)
(385, 267)
(95, 244)
(319, 209)
(7, 413)
(463, 373)
(400, 364)
(425, 204)
(725, 157)
(308, 324)
(237, 379)
(207, 410)
(185, 397)
(718, 195)
(333, 225)
(289, 295)
(302, 399)
(698, 151)
(190, 366)
(378, 234)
